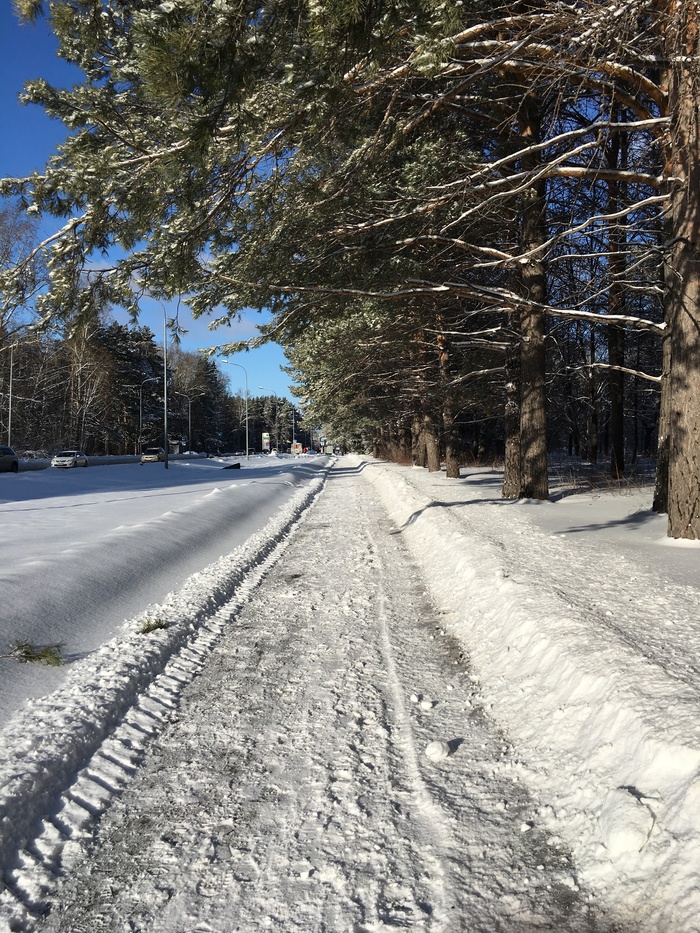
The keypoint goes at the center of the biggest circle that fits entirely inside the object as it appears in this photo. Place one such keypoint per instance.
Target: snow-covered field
(82, 550)
(425, 707)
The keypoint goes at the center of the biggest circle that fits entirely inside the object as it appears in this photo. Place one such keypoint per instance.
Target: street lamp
(189, 416)
(277, 403)
(165, 384)
(150, 379)
(11, 348)
(230, 363)
(9, 401)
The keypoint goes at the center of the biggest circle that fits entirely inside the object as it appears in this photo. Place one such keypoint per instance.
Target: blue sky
(27, 139)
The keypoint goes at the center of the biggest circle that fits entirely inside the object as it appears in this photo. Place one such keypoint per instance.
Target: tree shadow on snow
(634, 521)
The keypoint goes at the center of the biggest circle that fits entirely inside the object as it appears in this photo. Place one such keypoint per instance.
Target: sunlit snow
(424, 707)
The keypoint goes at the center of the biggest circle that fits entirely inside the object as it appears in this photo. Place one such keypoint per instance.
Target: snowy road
(254, 748)
(289, 788)
(83, 550)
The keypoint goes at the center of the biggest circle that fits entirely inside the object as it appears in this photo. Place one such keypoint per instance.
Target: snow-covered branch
(620, 369)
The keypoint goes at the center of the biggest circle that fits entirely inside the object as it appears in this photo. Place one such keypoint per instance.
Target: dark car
(8, 460)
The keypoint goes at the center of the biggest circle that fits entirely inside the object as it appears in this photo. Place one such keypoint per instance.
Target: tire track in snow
(289, 791)
(103, 711)
(430, 827)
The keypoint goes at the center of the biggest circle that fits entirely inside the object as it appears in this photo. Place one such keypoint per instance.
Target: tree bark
(533, 405)
(616, 305)
(660, 503)
(511, 467)
(616, 387)
(417, 443)
(432, 448)
(683, 284)
(593, 437)
(404, 444)
(448, 419)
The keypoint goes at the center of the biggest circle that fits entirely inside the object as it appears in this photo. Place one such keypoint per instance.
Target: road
(82, 550)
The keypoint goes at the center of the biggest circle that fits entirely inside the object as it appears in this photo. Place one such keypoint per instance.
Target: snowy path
(586, 642)
(289, 788)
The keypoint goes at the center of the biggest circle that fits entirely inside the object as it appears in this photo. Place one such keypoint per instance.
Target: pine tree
(427, 156)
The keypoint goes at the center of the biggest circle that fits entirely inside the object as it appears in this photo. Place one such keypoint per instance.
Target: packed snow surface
(404, 702)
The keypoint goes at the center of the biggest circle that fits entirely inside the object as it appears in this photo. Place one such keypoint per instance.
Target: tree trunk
(593, 438)
(404, 444)
(616, 387)
(511, 468)
(448, 420)
(660, 503)
(451, 448)
(417, 443)
(617, 242)
(432, 449)
(683, 283)
(533, 405)
(533, 418)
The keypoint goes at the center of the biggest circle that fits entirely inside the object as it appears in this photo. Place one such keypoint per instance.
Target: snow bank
(45, 745)
(609, 737)
(592, 674)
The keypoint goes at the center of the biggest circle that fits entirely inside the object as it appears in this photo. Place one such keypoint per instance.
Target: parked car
(70, 458)
(153, 455)
(8, 460)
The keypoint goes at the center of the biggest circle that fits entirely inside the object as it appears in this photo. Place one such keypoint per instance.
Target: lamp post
(189, 416)
(277, 403)
(150, 379)
(9, 401)
(230, 363)
(165, 385)
(11, 348)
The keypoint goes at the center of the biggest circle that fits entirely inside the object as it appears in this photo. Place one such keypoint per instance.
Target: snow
(402, 702)
(582, 625)
(438, 750)
(150, 527)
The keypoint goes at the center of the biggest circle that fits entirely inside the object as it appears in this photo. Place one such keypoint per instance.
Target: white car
(153, 455)
(70, 458)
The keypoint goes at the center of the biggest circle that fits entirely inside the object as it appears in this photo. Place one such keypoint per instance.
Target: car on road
(9, 462)
(69, 458)
(153, 455)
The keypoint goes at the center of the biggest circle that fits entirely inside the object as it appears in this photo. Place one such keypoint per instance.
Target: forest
(475, 224)
(101, 389)
(88, 382)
